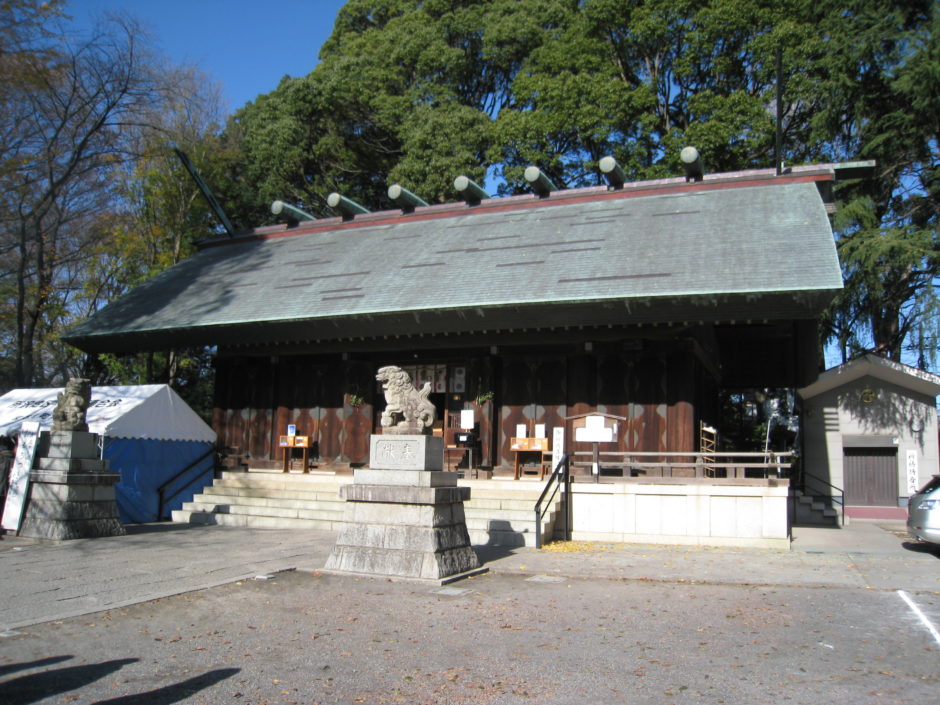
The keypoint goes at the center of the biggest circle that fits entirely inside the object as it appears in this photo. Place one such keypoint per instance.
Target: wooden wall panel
(657, 387)
(359, 380)
(483, 374)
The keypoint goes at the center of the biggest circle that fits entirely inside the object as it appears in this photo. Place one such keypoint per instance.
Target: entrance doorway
(871, 477)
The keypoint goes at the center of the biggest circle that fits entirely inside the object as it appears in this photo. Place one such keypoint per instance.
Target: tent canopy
(151, 411)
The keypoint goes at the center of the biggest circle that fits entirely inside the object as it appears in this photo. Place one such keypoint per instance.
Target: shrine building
(639, 301)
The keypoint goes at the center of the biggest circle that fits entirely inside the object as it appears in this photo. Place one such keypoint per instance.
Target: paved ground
(45, 581)
(173, 614)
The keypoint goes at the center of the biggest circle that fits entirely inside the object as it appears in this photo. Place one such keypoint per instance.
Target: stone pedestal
(405, 519)
(71, 491)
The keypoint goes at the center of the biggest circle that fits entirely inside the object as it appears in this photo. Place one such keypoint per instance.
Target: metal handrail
(837, 496)
(560, 479)
(701, 462)
(162, 488)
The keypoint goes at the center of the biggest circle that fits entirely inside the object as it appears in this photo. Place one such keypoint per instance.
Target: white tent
(139, 411)
(150, 435)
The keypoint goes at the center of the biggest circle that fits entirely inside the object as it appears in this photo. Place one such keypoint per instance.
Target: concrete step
(515, 515)
(280, 512)
(263, 503)
(266, 507)
(184, 516)
(310, 483)
(813, 510)
(499, 512)
(498, 503)
(508, 539)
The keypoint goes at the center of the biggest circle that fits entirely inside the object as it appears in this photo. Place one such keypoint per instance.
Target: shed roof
(738, 248)
(870, 365)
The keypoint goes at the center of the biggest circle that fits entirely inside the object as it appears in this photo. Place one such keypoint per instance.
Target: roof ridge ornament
(471, 192)
(612, 172)
(539, 182)
(405, 199)
(692, 164)
(347, 207)
(289, 213)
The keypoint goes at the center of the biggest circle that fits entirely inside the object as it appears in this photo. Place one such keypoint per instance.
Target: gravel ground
(304, 637)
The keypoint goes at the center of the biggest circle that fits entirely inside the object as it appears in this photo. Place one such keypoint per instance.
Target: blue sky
(245, 45)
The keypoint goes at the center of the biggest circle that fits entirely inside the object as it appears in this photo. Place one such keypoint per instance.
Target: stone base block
(66, 530)
(419, 533)
(406, 452)
(64, 505)
(397, 494)
(76, 465)
(69, 444)
(413, 565)
(405, 478)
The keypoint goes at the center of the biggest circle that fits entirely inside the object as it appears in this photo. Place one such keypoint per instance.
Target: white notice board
(19, 476)
(558, 445)
(913, 479)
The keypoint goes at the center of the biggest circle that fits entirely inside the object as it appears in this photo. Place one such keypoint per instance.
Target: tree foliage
(888, 226)
(418, 92)
(91, 199)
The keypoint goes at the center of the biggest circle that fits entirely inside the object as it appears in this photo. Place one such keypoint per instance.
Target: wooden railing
(723, 465)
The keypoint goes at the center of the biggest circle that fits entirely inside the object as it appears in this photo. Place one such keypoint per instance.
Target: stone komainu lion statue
(71, 406)
(407, 410)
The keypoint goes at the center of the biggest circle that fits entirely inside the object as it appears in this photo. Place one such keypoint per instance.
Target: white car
(923, 512)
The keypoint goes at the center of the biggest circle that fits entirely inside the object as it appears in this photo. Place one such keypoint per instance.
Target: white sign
(558, 445)
(520, 430)
(594, 435)
(540, 431)
(19, 476)
(466, 419)
(292, 429)
(913, 482)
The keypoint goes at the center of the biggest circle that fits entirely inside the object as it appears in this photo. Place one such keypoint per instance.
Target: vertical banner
(913, 483)
(19, 476)
(558, 445)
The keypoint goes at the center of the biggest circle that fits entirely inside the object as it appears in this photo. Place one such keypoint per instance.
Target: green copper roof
(747, 250)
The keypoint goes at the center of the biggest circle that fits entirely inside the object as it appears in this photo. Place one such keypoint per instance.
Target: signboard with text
(19, 476)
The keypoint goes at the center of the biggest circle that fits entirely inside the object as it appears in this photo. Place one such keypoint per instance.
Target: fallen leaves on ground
(576, 547)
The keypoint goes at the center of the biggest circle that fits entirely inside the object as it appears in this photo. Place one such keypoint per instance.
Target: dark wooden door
(871, 477)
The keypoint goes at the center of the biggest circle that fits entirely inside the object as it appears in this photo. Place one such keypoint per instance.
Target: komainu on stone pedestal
(71, 406)
(72, 493)
(404, 516)
(407, 410)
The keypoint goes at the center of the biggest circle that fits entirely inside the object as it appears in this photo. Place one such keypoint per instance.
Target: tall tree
(882, 80)
(162, 214)
(65, 129)
(418, 91)
(405, 91)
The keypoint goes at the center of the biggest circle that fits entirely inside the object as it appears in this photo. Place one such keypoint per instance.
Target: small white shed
(870, 430)
(158, 444)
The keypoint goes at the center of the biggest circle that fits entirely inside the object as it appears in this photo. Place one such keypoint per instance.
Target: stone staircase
(502, 512)
(810, 510)
(499, 512)
(268, 500)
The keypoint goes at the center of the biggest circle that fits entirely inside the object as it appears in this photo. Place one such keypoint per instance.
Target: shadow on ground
(49, 683)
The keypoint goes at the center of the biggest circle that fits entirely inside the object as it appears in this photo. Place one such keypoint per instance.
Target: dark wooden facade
(662, 388)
